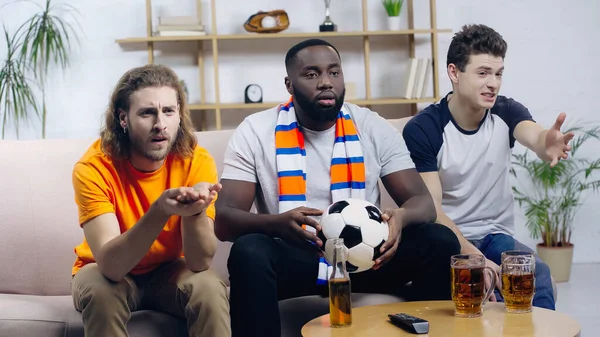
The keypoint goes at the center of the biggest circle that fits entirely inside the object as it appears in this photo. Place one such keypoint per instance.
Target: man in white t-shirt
(462, 148)
(287, 161)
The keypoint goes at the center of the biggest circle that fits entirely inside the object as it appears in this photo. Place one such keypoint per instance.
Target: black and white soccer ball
(360, 224)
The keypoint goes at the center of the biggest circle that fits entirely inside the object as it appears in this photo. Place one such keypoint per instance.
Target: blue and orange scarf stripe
(347, 170)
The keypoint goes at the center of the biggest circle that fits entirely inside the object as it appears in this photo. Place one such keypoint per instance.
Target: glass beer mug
(468, 284)
(340, 301)
(518, 280)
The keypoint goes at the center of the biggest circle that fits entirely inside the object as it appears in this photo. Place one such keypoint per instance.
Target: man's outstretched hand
(188, 201)
(557, 143)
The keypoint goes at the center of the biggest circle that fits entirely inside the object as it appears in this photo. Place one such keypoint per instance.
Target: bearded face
(152, 125)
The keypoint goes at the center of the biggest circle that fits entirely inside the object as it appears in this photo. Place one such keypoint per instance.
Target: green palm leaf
(16, 96)
(46, 40)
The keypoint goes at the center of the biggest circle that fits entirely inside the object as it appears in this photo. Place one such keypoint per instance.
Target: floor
(580, 298)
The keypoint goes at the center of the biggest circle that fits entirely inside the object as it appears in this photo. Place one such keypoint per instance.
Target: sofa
(38, 222)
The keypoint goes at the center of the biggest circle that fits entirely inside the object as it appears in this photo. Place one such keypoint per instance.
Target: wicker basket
(254, 22)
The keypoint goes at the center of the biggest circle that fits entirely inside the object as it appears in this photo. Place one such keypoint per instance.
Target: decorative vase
(559, 259)
(393, 22)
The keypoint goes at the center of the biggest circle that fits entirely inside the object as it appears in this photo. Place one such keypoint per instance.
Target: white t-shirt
(250, 156)
(473, 166)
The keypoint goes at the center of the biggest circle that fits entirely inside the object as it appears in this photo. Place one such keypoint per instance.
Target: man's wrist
(272, 222)
(159, 210)
(400, 219)
(540, 151)
(199, 214)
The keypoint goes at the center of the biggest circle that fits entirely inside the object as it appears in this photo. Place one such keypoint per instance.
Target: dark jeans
(264, 270)
(492, 247)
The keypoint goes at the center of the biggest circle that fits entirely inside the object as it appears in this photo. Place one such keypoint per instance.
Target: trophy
(327, 25)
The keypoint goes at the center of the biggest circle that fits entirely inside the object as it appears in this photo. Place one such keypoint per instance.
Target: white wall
(549, 63)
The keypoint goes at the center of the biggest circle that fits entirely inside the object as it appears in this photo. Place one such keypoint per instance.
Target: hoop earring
(125, 130)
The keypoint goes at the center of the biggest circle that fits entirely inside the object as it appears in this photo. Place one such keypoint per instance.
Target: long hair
(115, 142)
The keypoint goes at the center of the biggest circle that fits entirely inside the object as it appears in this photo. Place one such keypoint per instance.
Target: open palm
(557, 143)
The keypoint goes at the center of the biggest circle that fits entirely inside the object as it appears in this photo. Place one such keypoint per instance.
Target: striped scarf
(347, 165)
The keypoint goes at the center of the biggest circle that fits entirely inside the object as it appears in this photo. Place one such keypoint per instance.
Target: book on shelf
(179, 26)
(416, 78)
(196, 27)
(180, 33)
(178, 20)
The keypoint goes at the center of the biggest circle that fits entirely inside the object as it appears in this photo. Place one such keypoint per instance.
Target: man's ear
(453, 73)
(123, 118)
(288, 85)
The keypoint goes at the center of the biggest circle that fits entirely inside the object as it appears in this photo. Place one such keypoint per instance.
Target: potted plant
(393, 9)
(42, 40)
(551, 197)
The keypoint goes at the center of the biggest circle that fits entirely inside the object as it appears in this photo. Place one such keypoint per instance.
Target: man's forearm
(199, 241)
(539, 146)
(121, 254)
(532, 136)
(231, 223)
(418, 209)
(466, 247)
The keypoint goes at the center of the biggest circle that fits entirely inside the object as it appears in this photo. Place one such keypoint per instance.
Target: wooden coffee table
(495, 322)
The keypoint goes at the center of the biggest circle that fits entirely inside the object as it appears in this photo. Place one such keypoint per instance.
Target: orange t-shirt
(105, 186)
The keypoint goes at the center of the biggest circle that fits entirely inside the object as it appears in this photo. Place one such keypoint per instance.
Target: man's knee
(91, 289)
(204, 289)
(249, 252)
(443, 239)
(545, 287)
(542, 271)
(543, 276)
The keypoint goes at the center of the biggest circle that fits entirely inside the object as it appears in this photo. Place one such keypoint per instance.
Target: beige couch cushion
(38, 215)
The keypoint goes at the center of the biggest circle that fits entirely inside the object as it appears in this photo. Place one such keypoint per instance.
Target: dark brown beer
(518, 290)
(468, 289)
(340, 305)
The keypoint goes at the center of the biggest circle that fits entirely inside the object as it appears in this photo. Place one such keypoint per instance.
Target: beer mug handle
(493, 281)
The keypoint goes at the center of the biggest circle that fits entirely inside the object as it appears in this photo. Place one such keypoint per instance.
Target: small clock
(253, 94)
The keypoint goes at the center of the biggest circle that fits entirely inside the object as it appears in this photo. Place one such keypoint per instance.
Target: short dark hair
(474, 40)
(291, 54)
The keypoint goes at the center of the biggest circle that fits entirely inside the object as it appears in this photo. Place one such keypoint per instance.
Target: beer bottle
(340, 303)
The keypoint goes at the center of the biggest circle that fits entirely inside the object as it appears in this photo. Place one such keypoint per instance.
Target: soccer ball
(361, 226)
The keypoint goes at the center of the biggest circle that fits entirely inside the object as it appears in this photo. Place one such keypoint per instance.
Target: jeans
(264, 270)
(106, 306)
(492, 247)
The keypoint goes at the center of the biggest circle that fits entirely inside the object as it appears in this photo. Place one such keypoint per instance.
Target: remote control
(410, 323)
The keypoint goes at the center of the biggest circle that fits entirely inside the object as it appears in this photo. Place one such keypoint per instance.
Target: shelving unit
(217, 106)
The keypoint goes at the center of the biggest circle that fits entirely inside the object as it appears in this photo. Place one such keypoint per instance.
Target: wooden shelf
(164, 39)
(253, 36)
(203, 106)
(268, 105)
(326, 34)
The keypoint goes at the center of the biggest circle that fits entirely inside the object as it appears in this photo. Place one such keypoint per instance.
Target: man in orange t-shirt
(145, 192)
